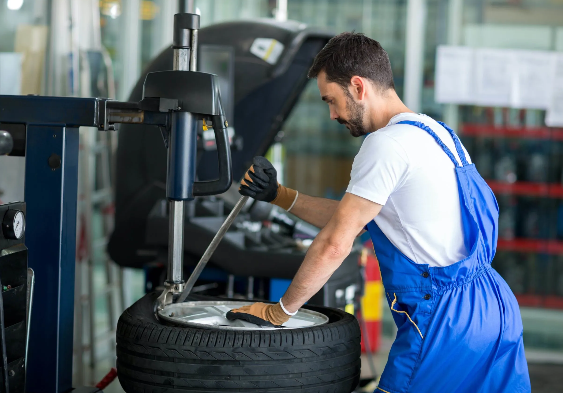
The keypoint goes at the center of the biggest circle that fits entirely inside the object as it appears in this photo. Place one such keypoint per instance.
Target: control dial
(13, 224)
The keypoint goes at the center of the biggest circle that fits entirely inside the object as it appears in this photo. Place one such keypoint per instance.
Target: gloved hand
(260, 182)
(260, 314)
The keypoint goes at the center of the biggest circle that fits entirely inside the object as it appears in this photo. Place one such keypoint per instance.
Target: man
(433, 221)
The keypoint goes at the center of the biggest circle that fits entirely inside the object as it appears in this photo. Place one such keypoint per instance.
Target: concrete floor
(545, 377)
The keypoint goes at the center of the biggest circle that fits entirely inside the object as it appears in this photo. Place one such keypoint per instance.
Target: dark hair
(349, 54)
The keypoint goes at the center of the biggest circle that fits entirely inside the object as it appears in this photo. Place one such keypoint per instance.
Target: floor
(544, 377)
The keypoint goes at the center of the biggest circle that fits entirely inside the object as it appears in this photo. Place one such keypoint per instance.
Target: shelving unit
(531, 189)
(486, 130)
(523, 166)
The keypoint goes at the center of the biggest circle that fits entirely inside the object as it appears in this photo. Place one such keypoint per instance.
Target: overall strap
(457, 143)
(436, 138)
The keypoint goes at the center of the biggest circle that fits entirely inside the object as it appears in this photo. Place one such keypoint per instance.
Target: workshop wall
(319, 151)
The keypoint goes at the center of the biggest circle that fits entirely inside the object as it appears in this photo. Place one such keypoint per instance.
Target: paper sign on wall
(554, 115)
(454, 66)
(493, 77)
(532, 79)
(501, 77)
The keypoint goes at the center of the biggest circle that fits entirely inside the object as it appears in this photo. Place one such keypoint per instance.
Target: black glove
(260, 181)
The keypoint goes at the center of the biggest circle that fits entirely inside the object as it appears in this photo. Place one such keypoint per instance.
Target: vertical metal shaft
(175, 242)
(182, 62)
(181, 59)
(182, 151)
(193, 51)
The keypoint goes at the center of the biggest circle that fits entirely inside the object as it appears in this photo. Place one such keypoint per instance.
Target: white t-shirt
(403, 168)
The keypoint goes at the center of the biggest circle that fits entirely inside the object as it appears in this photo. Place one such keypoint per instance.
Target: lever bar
(211, 248)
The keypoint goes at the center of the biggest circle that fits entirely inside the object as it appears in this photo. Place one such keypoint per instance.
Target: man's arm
(327, 252)
(331, 246)
(316, 211)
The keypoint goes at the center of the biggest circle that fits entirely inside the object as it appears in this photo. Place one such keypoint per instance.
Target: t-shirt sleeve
(379, 168)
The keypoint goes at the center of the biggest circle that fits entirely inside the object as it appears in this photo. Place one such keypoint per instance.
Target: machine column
(51, 181)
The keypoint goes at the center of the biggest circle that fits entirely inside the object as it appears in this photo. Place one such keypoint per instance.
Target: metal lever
(211, 248)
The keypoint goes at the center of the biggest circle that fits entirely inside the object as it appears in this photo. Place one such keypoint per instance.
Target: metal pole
(281, 10)
(414, 53)
(455, 26)
(181, 158)
(193, 51)
(182, 62)
(175, 242)
(130, 49)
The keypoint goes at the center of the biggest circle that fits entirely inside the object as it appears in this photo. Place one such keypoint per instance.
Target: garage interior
(91, 106)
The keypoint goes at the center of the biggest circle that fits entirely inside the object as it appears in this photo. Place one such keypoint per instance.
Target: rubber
(231, 316)
(155, 357)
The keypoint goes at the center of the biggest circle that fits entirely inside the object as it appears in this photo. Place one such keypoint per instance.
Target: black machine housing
(263, 242)
(13, 304)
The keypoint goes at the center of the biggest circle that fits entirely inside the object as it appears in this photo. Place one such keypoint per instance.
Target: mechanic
(434, 225)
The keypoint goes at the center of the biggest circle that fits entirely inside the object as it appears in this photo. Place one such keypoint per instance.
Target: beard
(356, 122)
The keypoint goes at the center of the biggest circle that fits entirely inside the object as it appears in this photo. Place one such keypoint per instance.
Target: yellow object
(204, 125)
(349, 308)
(32, 42)
(404, 312)
(149, 10)
(371, 302)
(270, 49)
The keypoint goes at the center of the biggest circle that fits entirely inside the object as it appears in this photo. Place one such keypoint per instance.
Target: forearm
(314, 210)
(322, 259)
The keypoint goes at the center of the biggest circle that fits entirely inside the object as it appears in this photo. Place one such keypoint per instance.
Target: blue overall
(459, 326)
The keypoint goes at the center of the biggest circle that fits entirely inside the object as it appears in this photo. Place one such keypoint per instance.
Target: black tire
(155, 357)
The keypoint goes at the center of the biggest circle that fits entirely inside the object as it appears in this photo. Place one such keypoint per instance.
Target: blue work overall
(459, 326)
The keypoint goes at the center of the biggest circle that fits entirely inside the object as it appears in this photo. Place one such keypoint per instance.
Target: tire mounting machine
(45, 131)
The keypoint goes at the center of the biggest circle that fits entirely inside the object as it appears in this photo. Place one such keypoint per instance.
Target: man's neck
(393, 106)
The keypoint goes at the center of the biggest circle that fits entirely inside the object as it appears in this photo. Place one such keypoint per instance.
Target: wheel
(161, 356)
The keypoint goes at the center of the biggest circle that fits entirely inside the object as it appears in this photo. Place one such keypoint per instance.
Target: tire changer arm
(175, 101)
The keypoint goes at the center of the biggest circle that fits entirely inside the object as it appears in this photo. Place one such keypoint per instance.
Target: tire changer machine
(45, 131)
(39, 235)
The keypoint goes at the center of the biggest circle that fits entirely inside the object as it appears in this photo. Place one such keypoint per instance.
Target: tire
(154, 357)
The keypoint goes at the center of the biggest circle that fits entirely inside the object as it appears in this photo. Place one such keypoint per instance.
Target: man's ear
(358, 87)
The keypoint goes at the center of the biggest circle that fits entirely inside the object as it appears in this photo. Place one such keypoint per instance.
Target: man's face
(342, 105)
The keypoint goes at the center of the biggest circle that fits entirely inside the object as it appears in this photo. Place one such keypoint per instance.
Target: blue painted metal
(51, 196)
(67, 111)
(181, 157)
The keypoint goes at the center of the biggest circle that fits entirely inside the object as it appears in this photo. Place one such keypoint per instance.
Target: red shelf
(553, 247)
(531, 300)
(546, 133)
(527, 188)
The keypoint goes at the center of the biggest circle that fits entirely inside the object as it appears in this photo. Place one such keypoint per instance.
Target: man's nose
(333, 115)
